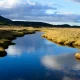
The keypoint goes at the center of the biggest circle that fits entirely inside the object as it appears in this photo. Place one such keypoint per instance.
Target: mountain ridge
(5, 21)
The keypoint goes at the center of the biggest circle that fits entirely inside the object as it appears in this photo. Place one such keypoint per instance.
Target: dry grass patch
(66, 36)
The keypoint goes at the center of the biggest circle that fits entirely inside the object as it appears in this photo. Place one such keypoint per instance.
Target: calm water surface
(35, 58)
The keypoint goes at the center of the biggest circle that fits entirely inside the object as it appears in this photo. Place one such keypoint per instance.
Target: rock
(77, 55)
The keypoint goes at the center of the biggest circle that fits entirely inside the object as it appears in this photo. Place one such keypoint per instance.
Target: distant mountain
(32, 24)
(5, 21)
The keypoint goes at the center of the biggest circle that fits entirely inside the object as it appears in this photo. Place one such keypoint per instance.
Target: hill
(5, 21)
(29, 23)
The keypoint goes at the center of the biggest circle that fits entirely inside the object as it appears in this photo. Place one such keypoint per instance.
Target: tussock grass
(65, 36)
(8, 33)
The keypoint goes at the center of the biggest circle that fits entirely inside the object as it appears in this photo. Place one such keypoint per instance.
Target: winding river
(35, 58)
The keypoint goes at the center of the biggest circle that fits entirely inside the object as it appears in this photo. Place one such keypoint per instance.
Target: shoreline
(7, 34)
(64, 36)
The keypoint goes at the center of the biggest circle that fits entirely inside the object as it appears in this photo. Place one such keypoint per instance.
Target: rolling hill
(5, 21)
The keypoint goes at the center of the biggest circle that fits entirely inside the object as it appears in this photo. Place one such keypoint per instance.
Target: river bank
(61, 36)
(64, 36)
(7, 34)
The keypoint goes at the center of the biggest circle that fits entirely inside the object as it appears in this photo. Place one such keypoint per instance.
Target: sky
(41, 10)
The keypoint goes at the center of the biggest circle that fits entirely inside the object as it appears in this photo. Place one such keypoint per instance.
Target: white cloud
(65, 13)
(16, 9)
(30, 10)
(50, 11)
(78, 1)
(8, 3)
(13, 3)
(31, 3)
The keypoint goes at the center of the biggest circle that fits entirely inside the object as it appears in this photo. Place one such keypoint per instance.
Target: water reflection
(64, 63)
(36, 45)
(35, 58)
(68, 78)
(71, 46)
(14, 51)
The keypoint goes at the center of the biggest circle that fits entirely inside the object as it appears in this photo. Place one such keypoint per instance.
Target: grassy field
(64, 36)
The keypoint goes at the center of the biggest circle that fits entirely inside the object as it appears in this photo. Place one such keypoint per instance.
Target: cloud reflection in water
(68, 78)
(55, 60)
(18, 51)
(65, 63)
(13, 51)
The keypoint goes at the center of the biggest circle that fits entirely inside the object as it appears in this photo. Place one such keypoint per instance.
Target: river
(35, 58)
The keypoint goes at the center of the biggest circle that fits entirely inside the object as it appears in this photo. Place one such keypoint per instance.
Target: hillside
(5, 21)
(29, 23)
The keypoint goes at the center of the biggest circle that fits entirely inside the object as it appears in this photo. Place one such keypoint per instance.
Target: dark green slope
(4, 21)
(32, 24)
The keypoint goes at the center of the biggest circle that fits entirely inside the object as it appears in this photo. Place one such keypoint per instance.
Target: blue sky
(41, 10)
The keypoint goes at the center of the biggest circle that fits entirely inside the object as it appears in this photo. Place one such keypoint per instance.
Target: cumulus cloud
(76, 1)
(16, 9)
(30, 10)
(65, 13)
(49, 11)
(8, 3)
(14, 3)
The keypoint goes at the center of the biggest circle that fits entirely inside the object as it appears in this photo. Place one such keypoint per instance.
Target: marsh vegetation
(64, 36)
(8, 33)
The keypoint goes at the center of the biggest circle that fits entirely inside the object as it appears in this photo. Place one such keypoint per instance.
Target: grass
(64, 36)
(8, 33)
